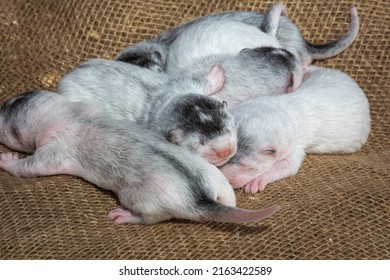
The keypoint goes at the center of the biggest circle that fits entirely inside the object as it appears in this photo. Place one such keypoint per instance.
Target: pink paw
(216, 79)
(256, 185)
(121, 216)
(9, 156)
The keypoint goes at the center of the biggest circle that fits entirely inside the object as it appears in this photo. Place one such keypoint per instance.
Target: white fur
(132, 93)
(214, 38)
(153, 179)
(329, 113)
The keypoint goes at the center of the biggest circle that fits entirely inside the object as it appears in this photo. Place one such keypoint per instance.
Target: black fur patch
(201, 114)
(270, 56)
(265, 25)
(319, 49)
(15, 132)
(194, 180)
(17, 103)
(142, 59)
(245, 146)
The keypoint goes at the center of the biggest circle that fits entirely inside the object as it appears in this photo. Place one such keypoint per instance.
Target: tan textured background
(337, 207)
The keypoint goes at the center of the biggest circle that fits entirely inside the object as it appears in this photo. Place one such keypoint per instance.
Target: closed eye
(270, 152)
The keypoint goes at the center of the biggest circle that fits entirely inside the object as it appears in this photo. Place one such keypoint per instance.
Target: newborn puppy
(154, 180)
(253, 72)
(228, 33)
(206, 36)
(173, 107)
(220, 38)
(329, 113)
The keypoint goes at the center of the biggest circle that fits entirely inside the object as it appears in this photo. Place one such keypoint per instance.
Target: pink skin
(219, 151)
(295, 78)
(249, 178)
(45, 160)
(255, 176)
(122, 216)
(37, 164)
(239, 175)
(216, 79)
(221, 155)
(224, 153)
(8, 157)
(216, 161)
(256, 185)
(281, 169)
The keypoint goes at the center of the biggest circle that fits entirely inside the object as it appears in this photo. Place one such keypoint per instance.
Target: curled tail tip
(354, 29)
(333, 48)
(275, 208)
(354, 18)
(280, 8)
(257, 215)
(283, 10)
(354, 14)
(269, 211)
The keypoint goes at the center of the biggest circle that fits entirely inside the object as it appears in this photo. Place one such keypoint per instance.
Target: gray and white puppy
(253, 72)
(329, 113)
(173, 107)
(228, 33)
(249, 72)
(220, 38)
(153, 179)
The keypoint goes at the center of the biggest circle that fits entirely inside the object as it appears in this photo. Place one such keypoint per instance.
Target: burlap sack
(336, 207)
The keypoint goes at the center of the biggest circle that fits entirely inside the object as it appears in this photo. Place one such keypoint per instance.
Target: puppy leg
(47, 160)
(122, 216)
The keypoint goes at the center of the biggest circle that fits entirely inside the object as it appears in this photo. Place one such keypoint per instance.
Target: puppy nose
(224, 153)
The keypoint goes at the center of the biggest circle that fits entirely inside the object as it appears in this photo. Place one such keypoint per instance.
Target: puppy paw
(256, 185)
(121, 216)
(9, 156)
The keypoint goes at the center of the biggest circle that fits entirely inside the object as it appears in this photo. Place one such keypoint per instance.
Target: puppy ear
(175, 135)
(215, 79)
(156, 56)
(224, 105)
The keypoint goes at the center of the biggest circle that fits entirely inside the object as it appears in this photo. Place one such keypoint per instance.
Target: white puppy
(329, 113)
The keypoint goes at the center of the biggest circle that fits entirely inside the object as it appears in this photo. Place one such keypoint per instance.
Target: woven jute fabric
(336, 207)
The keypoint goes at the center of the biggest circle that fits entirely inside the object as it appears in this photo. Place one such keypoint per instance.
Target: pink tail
(228, 214)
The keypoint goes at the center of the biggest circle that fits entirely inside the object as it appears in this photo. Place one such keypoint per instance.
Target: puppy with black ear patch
(176, 108)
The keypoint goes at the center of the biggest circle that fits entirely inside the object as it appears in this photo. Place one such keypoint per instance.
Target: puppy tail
(227, 214)
(333, 48)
